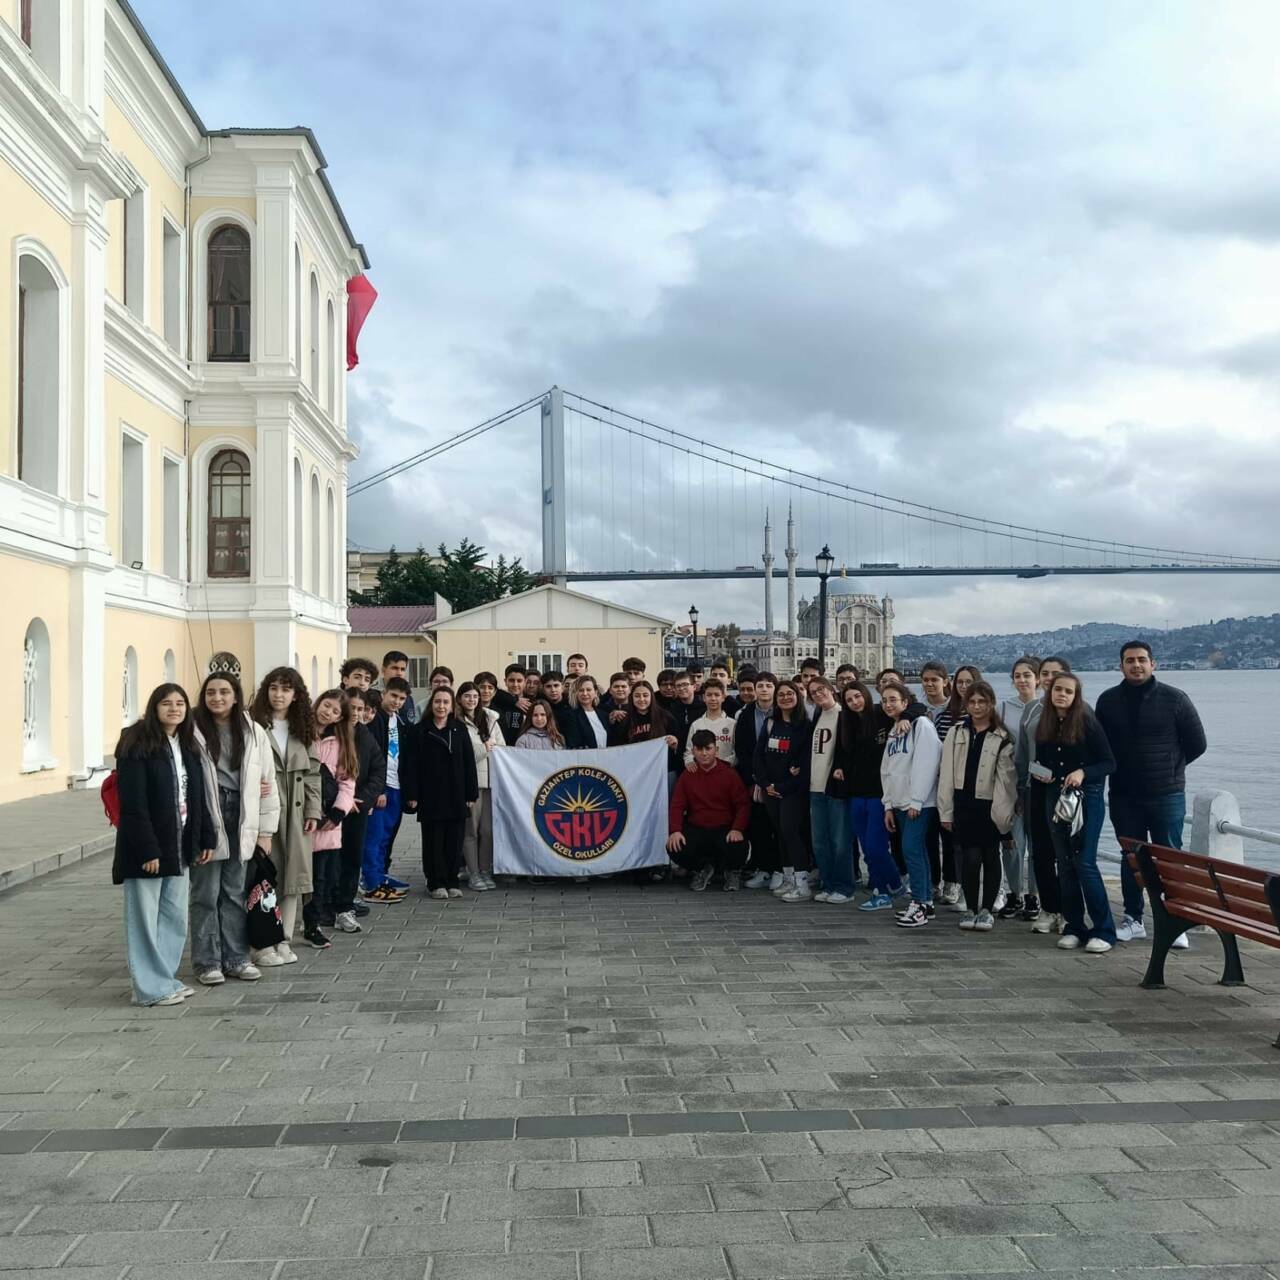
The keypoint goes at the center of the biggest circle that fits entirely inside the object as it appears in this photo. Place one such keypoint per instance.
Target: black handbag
(266, 929)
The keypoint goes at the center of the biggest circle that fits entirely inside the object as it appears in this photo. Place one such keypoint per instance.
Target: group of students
(799, 786)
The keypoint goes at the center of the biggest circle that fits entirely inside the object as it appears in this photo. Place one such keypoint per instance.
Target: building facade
(173, 445)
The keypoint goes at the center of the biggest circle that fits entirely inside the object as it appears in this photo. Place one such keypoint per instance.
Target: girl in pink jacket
(339, 767)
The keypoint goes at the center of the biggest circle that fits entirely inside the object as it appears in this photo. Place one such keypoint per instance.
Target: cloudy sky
(1017, 260)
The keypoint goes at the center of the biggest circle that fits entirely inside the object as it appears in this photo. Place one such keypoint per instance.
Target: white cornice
(145, 363)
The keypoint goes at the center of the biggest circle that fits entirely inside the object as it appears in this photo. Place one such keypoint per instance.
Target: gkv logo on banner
(580, 813)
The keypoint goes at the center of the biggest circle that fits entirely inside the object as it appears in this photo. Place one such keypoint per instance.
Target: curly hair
(301, 719)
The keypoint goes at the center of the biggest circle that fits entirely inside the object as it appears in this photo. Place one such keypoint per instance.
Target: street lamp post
(693, 618)
(824, 560)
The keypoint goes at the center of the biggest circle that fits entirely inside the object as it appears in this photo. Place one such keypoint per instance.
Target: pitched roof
(549, 588)
(389, 619)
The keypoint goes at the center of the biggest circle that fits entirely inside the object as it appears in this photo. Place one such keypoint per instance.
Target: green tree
(459, 575)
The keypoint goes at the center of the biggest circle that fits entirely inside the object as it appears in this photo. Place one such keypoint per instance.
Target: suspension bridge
(626, 499)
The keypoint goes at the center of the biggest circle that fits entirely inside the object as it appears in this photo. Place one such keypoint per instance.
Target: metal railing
(1216, 829)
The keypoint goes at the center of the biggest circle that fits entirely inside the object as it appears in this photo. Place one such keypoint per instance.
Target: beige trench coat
(298, 785)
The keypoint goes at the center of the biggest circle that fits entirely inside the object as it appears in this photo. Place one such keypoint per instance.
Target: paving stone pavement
(621, 1082)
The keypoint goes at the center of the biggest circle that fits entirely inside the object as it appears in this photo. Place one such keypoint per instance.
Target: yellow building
(379, 629)
(542, 627)
(173, 444)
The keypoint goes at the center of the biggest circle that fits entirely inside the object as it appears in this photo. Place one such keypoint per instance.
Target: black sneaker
(314, 938)
(1030, 907)
(1011, 909)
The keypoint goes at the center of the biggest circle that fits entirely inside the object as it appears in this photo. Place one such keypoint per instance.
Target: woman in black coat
(164, 826)
(588, 725)
(439, 781)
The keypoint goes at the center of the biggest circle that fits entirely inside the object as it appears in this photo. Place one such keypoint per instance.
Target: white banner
(579, 813)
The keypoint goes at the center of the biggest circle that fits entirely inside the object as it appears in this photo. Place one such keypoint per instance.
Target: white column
(273, 270)
(84, 59)
(87, 663)
(793, 624)
(86, 382)
(768, 577)
(273, 495)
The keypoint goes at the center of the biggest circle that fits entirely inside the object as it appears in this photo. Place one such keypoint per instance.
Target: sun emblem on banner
(580, 813)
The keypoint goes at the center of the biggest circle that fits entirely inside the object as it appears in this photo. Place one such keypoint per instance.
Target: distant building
(377, 629)
(363, 566)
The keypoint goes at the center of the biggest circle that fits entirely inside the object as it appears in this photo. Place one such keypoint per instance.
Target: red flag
(361, 296)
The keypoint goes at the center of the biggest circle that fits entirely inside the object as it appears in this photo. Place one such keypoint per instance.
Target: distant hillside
(1226, 644)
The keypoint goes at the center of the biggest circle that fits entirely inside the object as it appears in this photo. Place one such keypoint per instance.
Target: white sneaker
(824, 896)
(176, 998)
(186, 992)
(951, 894)
(1001, 899)
(1043, 923)
(268, 958)
(759, 880)
(1096, 946)
(1128, 929)
(346, 922)
(834, 899)
(1068, 942)
(210, 977)
(788, 883)
(285, 952)
(800, 891)
(984, 922)
(968, 919)
(1181, 943)
(776, 881)
(245, 973)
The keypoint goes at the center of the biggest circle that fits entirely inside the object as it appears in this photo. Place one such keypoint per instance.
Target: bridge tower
(555, 540)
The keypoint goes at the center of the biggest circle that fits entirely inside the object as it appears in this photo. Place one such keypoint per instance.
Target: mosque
(859, 624)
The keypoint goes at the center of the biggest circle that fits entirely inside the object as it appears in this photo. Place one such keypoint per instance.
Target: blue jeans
(832, 846)
(155, 932)
(377, 839)
(1158, 819)
(866, 817)
(915, 850)
(1079, 880)
(1019, 869)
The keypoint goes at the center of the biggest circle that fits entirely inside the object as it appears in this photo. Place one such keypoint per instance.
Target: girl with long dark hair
(485, 733)
(439, 781)
(1072, 751)
(282, 707)
(863, 730)
(781, 771)
(165, 826)
(540, 731)
(335, 747)
(977, 791)
(1019, 866)
(240, 788)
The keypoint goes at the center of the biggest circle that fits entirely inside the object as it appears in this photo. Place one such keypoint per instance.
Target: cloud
(1018, 261)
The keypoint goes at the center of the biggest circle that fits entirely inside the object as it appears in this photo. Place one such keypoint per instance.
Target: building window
(331, 362)
(40, 28)
(844, 633)
(172, 267)
(37, 746)
(129, 688)
(39, 374)
(229, 294)
(857, 633)
(314, 337)
(172, 567)
(170, 667)
(418, 673)
(871, 633)
(134, 245)
(297, 309)
(541, 662)
(229, 508)
(315, 535)
(331, 529)
(133, 500)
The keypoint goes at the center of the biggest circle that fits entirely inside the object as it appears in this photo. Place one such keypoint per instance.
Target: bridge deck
(649, 1083)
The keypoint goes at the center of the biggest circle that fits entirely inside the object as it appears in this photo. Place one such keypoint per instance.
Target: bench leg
(1232, 969)
(1168, 930)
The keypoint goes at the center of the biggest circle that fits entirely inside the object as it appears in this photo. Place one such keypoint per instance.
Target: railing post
(1208, 810)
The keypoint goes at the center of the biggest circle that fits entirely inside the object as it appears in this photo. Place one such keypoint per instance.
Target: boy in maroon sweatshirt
(709, 813)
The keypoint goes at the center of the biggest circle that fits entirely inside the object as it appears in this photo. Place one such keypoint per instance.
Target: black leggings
(788, 815)
(942, 853)
(764, 840)
(442, 852)
(1042, 855)
(980, 860)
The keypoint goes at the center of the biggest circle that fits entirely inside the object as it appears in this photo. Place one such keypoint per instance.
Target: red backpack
(111, 797)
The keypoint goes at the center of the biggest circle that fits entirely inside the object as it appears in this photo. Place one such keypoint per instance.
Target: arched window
(315, 535)
(844, 633)
(230, 504)
(230, 277)
(37, 736)
(297, 309)
(315, 336)
(857, 633)
(331, 362)
(39, 374)
(315, 676)
(170, 667)
(331, 527)
(299, 577)
(331, 681)
(129, 687)
(871, 633)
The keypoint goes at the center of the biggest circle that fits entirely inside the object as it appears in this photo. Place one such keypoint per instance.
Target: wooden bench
(1188, 889)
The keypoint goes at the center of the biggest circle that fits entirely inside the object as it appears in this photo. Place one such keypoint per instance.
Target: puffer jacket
(259, 814)
(997, 779)
(478, 746)
(329, 833)
(1155, 732)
